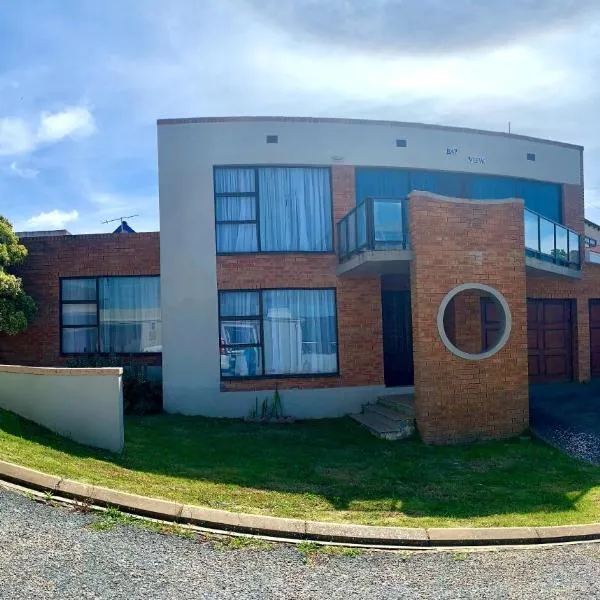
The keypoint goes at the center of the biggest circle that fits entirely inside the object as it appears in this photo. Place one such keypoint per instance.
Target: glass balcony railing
(551, 242)
(375, 224)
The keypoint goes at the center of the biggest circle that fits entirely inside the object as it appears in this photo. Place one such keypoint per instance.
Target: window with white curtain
(273, 209)
(278, 332)
(119, 315)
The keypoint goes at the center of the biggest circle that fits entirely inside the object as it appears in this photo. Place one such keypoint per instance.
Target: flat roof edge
(416, 125)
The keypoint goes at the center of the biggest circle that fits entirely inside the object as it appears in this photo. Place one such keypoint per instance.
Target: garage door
(550, 340)
(595, 336)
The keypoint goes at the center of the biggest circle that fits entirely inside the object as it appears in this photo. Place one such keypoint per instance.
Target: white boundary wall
(85, 405)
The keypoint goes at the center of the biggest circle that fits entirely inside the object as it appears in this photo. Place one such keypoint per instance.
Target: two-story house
(341, 260)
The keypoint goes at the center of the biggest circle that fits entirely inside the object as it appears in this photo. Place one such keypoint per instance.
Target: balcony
(551, 247)
(373, 238)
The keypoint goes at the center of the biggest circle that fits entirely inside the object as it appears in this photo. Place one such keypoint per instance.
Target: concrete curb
(296, 528)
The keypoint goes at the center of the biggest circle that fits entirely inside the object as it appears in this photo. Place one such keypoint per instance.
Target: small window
(401, 143)
(590, 242)
(272, 139)
(531, 156)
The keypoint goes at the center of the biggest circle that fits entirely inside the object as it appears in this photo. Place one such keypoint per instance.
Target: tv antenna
(119, 219)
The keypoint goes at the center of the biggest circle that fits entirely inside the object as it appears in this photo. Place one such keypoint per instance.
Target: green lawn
(329, 470)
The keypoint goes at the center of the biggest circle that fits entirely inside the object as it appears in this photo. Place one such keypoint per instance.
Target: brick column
(456, 242)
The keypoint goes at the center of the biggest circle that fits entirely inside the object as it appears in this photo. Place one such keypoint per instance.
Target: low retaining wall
(85, 405)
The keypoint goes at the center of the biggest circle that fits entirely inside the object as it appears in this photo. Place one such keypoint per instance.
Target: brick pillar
(573, 207)
(581, 333)
(456, 242)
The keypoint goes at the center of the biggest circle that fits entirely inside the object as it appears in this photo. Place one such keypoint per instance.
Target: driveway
(48, 552)
(568, 416)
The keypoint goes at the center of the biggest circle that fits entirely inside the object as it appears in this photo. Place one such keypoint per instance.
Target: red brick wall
(71, 256)
(466, 242)
(467, 321)
(573, 207)
(360, 340)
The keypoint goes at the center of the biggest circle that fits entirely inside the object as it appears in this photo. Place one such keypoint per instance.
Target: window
(278, 332)
(590, 242)
(401, 143)
(273, 209)
(531, 156)
(119, 315)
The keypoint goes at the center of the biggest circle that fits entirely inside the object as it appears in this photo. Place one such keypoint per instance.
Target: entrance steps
(390, 418)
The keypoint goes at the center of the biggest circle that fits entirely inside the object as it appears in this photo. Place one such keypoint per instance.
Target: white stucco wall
(187, 152)
(85, 405)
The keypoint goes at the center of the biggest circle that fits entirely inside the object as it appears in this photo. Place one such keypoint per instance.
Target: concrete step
(387, 412)
(404, 404)
(385, 428)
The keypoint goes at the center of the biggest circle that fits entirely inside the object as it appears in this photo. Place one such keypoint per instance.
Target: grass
(330, 470)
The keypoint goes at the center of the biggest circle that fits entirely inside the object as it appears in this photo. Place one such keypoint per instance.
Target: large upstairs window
(113, 315)
(273, 209)
(541, 197)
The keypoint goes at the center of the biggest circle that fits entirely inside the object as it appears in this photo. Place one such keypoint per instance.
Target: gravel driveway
(48, 552)
(568, 416)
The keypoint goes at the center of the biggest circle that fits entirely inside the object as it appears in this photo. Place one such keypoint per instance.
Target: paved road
(48, 552)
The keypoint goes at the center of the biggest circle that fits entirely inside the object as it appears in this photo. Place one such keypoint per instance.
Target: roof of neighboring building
(592, 224)
(124, 227)
(281, 119)
(49, 233)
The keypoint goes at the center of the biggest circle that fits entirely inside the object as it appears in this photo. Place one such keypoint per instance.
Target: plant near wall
(270, 410)
(141, 395)
(17, 308)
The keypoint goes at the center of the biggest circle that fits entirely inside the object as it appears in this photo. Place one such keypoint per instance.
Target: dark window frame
(261, 344)
(590, 242)
(256, 221)
(61, 326)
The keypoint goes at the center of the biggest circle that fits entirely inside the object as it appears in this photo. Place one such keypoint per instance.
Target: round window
(474, 321)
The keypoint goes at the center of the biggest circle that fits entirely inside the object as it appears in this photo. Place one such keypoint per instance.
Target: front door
(397, 338)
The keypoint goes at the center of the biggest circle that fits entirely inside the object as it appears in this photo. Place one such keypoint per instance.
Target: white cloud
(55, 219)
(23, 172)
(76, 121)
(20, 136)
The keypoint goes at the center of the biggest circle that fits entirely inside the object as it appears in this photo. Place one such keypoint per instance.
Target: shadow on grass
(312, 462)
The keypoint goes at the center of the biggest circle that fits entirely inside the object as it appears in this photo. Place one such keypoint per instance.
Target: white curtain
(130, 318)
(299, 331)
(295, 209)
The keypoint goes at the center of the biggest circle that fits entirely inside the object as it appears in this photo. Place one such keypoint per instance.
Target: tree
(17, 309)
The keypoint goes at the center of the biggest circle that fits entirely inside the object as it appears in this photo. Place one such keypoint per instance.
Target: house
(96, 294)
(338, 260)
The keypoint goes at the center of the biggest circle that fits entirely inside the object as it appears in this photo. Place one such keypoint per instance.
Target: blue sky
(82, 83)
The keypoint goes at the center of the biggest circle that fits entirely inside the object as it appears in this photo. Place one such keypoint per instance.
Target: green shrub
(141, 395)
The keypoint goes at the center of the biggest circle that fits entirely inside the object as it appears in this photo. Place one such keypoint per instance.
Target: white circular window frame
(465, 287)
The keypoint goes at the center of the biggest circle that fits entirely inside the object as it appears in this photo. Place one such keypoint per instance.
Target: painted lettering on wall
(452, 151)
(476, 160)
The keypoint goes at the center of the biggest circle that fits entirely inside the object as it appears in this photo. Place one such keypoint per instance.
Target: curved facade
(295, 252)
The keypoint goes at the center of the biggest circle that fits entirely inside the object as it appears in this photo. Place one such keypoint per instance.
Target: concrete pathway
(48, 552)
(568, 416)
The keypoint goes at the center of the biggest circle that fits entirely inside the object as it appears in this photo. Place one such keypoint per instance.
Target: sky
(82, 83)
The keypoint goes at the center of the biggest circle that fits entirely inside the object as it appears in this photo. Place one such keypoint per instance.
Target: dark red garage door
(595, 337)
(550, 340)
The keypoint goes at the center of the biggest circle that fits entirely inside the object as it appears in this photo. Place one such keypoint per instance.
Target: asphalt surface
(568, 416)
(50, 552)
